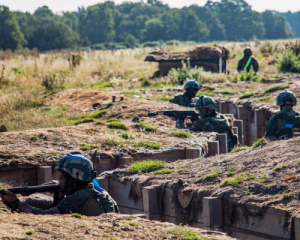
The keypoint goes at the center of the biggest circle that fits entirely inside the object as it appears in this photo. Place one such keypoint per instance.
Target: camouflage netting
(213, 52)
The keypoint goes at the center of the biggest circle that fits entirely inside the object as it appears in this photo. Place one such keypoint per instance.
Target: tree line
(133, 23)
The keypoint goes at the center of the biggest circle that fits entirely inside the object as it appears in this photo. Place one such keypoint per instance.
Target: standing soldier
(247, 62)
(284, 123)
(212, 121)
(186, 100)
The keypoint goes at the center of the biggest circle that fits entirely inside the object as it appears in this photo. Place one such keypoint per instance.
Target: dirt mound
(198, 53)
(28, 226)
(79, 100)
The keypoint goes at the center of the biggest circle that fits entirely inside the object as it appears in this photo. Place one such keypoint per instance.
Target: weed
(148, 144)
(30, 232)
(133, 224)
(165, 98)
(96, 146)
(85, 120)
(117, 125)
(56, 139)
(76, 215)
(97, 114)
(54, 81)
(34, 138)
(126, 135)
(276, 88)
(247, 95)
(239, 179)
(113, 120)
(146, 126)
(162, 171)
(262, 178)
(178, 161)
(265, 99)
(259, 142)
(230, 171)
(2, 141)
(185, 234)
(285, 195)
(146, 166)
(129, 218)
(199, 175)
(181, 134)
(278, 168)
(237, 149)
(214, 174)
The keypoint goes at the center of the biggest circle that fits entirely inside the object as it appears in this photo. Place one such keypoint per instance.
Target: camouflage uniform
(191, 87)
(242, 63)
(283, 124)
(214, 122)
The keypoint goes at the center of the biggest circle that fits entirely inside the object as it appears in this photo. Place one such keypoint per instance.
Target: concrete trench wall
(247, 222)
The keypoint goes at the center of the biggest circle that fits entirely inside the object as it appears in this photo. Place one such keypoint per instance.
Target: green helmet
(77, 166)
(191, 84)
(248, 52)
(206, 102)
(286, 97)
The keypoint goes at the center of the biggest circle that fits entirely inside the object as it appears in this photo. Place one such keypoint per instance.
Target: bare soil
(108, 227)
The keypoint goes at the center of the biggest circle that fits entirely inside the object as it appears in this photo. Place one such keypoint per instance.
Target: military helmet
(77, 166)
(248, 51)
(191, 84)
(286, 97)
(206, 102)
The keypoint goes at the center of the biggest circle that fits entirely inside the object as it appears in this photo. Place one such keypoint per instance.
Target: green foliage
(54, 81)
(126, 135)
(165, 98)
(278, 168)
(289, 62)
(133, 224)
(276, 88)
(98, 114)
(181, 75)
(214, 174)
(146, 126)
(247, 95)
(76, 215)
(230, 171)
(238, 179)
(146, 166)
(265, 99)
(113, 120)
(117, 125)
(262, 178)
(129, 218)
(162, 171)
(181, 134)
(285, 195)
(181, 170)
(30, 232)
(185, 234)
(96, 146)
(85, 120)
(259, 142)
(247, 76)
(49, 94)
(148, 144)
(34, 138)
(238, 149)
(84, 147)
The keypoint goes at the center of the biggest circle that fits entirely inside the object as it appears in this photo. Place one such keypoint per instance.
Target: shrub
(146, 126)
(247, 76)
(146, 166)
(54, 81)
(289, 62)
(117, 125)
(182, 134)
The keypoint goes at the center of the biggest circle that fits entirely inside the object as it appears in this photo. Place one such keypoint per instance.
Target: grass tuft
(146, 166)
(237, 180)
(76, 215)
(238, 149)
(85, 120)
(247, 95)
(278, 168)
(230, 171)
(133, 224)
(285, 195)
(129, 218)
(181, 170)
(146, 126)
(185, 234)
(97, 114)
(30, 232)
(147, 144)
(34, 138)
(214, 174)
(259, 142)
(276, 88)
(118, 125)
(113, 120)
(162, 171)
(181, 134)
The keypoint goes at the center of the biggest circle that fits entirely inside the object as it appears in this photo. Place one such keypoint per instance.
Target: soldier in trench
(285, 123)
(79, 191)
(247, 62)
(186, 100)
(212, 121)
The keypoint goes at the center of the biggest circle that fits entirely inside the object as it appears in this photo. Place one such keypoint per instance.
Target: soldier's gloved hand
(10, 200)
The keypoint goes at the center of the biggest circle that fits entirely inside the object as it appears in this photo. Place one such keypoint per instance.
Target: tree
(10, 35)
(154, 30)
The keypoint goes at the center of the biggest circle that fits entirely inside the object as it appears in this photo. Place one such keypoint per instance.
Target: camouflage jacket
(242, 63)
(282, 125)
(182, 100)
(219, 124)
(88, 202)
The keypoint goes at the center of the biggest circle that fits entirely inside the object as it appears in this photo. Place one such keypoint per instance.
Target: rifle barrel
(33, 189)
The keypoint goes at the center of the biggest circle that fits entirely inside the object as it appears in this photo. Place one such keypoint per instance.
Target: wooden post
(44, 174)
(213, 148)
(151, 203)
(242, 115)
(121, 98)
(113, 98)
(103, 182)
(124, 161)
(259, 123)
(193, 153)
(239, 125)
(212, 212)
(223, 106)
(3, 128)
(222, 139)
(297, 227)
(235, 130)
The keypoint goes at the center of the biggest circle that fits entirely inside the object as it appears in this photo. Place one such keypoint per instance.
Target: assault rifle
(180, 116)
(26, 191)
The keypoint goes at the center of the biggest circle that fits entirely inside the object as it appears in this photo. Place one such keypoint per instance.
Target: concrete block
(232, 109)
(239, 125)
(235, 130)
(223, 106)
(124, 161)
(121, 98)
(151, 203)
(113, 98)
(212, 212)
(297, 227)
(44, 174)
(213, 148)
(193, 153)
(103, 182)
(259, 117)
(222, 139)
(242, 112)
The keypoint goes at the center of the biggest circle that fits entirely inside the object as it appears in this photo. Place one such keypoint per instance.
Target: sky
(72, 5)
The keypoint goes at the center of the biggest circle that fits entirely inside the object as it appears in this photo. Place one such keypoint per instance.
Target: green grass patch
(259, 142)
(113, 142)
(113, 120)
(178, 161)
(247, 95)
(206, 92)
(214, 174)
(129, 94)
(147, 144)
(181, 170)
(30, 232)
(185, 234)
(49, 94)
(96, 146)
(99, 123)
(238, 149)
(262, 178)
(181, 134)
(34, 138)
(165, 98)
(278, 168)
(133, 224)
(126, 135)
(2, 141)
(230, 171)
(117, 125)
(276, 88)
(84, 148)
(129, 218)
(285, 195)
(76, 215)
(237, 180)
(146, 126)
(146, 166)
(265, 99)
(162, 171)
(97, 114)
(85, 120)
